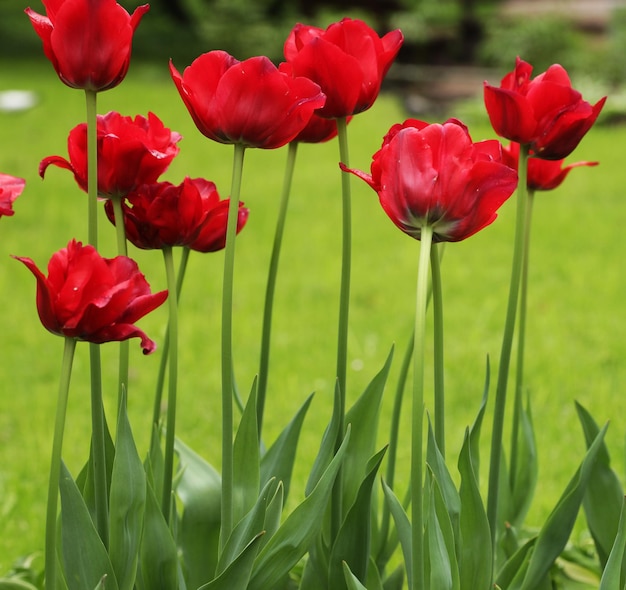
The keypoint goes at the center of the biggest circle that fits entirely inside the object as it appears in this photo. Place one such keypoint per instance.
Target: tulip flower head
(91, 298)
(545, 113)
(543, 175)
(10, 188)
(131, 152)
(88, 41)
(191, 214)
(435, 175)
(249, 102)
(348, 60)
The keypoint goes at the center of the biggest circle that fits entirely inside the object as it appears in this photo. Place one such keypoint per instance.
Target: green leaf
(237, 574)
(395, 580)
(450, 495)
(352, 544)
(363, 416)
(373, 581)
(246, 457)
(159, 555)
(278, 461)
(126, 505)
(556, 531)
(476, 427)
(403, 526)
(475, 556)
(611, 577)
(352, 582)
(525, 478)
(604, 497)
(294, 537)
(273, 514)
(514, 569)
(85, 557)
(246, 529)
(199, 488)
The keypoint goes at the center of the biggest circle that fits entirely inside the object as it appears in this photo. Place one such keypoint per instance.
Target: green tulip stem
(440, 436)
(97, 408)
(170, 434)
(55, 464)
(122, 250)
(227, 512)
(158, 396)
(521, 340)
(271, 284)
(507, 342)
(417, 415)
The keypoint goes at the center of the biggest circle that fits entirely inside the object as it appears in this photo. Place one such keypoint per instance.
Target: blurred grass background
(575, 344)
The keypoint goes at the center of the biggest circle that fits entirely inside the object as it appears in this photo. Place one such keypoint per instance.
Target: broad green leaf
(199, 489)
(101, 584)
(159, 556)
(246, 529)
(373, 581)
(514, 569)
(246, 457)
(273, 514)
(556, 531)
(292, 540)
(450, 495)
(352, 582)
(437, 568)
(476, 427)
(327, 446)
(352, 544)
(611, 577)
(444, 565)
(395, 580)
(525, 476)
(603, 500)
(85, 557)
(403, 526)
(363, 416)
(237, 574)
(475, 555)
(278, 461)
(126, 505)
(8, 584)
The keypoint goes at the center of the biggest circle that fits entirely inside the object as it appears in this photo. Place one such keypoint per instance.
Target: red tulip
(545, 113)
(435, 175)
(91, 298)
(131, 152)
(162, 214)
(249, 102)
(543, 175)
(318, 130)
(348, 60)
(10, 188)
(87, 41)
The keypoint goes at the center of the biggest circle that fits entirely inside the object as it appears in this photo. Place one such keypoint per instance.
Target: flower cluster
(433, 181)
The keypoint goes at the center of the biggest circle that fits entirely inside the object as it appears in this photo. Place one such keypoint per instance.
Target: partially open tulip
(162, 214)
(348, 60)
(545, 113)
(10, 188)
(131, 152)
(88, 297)
(88, 41)
(543, 175)
(436, 175)
(249, 102)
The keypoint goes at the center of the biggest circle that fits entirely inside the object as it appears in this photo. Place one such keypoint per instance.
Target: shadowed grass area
(575, 346)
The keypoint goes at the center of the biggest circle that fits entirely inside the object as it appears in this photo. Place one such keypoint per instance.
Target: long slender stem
(227, 513)
(122, 250)
(344, 308)
(271, 284)
(158, 395)
(505, 355)
(97, 408)
(521, 341)
(55, 464)
(440, 433)
(170, 434)
(417, 411)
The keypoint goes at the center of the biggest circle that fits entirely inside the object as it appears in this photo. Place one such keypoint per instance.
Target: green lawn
(575, 343)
